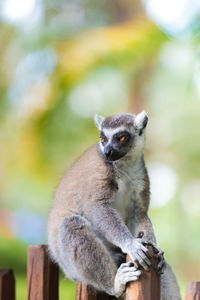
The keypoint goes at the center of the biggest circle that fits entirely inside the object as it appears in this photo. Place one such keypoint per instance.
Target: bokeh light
(173, 16)
(163, 181)
(21, 11)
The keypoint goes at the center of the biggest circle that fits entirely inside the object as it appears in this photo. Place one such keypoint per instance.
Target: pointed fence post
(193, 291)
(7, 285)
(148, 285)
(42, 274)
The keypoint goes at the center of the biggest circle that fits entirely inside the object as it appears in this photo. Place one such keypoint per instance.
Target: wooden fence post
(148, 286)
(7, 285)
(42, 275)
(86, 292)
(193, 291)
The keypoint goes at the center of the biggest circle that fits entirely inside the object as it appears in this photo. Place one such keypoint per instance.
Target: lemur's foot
(126, 272)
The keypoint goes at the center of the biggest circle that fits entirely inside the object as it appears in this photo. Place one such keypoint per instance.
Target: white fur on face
(101, 147)
(109, 132)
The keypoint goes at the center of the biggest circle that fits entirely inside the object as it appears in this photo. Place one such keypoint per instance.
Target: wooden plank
(148, 286)
(78, 290)
(193, 291)
(86, 292)
(104, 296)
(7, 285)
(42, 275)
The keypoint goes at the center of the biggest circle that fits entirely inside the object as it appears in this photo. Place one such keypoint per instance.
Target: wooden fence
(42, 282)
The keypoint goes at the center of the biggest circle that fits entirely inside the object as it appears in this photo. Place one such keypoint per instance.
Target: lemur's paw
(159, 254)
(139, 254)
(126, 272)
(161, 264)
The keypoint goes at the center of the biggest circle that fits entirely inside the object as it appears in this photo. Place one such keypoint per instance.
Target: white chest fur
(130, 180)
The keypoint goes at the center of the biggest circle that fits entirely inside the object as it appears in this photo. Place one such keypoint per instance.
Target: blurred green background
(63, 61)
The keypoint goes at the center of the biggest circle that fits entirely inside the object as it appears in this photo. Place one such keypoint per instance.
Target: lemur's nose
(108, 151)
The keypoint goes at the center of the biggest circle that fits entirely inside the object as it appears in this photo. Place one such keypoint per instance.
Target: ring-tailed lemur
(99, 212)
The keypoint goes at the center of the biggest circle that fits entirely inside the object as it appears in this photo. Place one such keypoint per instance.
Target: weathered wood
(7, 285)
(148, 285)
(193, 291)
(42, 275)
(104, 296)
(86, 292)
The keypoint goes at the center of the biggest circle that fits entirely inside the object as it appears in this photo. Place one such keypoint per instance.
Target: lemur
(99, 212)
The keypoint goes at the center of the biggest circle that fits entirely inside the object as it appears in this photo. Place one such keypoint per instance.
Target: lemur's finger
(159, 254)
(144, 242)
(126, 265)
(127, 270)
(135, 262)
(131, 264)
(144, 249)
(142, 262)
(160, 271)
(145, 258)
(133, 273)
(144, 252)
(131, 278)
(142, 257)
(137, 273)
(160, 265)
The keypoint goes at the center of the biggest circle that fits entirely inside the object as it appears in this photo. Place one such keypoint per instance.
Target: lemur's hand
(159, 254)
(139, 253)
(161, 261)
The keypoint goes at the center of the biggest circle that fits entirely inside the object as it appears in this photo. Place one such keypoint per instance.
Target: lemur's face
(121, 134)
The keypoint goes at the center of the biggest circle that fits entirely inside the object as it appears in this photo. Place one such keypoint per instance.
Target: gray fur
(100, 210)
(118, 120)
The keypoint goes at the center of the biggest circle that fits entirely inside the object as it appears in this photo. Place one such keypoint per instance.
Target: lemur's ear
(141, 121)
(98, 121)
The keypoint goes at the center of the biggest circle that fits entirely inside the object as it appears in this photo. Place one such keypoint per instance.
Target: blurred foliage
(66, 288)
(69, 60)
(15, 259)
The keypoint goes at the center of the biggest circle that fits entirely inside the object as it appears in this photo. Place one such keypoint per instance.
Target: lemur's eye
(122, 137)
(102, 140)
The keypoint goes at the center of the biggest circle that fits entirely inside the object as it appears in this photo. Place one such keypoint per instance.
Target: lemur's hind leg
(83, 257)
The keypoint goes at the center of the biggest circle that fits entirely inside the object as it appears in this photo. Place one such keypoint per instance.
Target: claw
(131, 264)
(160, 271)
(161, 263)
(160, 253)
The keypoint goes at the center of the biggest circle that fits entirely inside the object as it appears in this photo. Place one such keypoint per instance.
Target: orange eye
(122, 139)
(102, 140)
